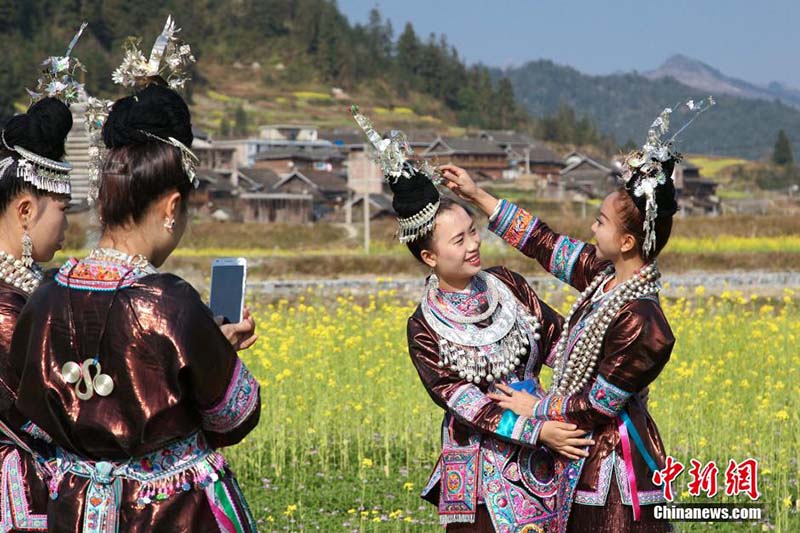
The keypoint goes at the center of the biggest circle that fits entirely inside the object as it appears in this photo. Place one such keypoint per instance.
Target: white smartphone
(228, 281)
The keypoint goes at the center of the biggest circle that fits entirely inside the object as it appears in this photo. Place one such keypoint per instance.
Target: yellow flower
(408, 486)
(699, 290)
(290, 509)
(366, 463)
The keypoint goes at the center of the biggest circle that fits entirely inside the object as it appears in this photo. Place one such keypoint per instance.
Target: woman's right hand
(461, 183)
(241, 335)
(565, 439)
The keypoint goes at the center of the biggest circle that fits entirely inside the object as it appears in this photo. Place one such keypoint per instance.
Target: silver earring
(169, 223)
(27, 249)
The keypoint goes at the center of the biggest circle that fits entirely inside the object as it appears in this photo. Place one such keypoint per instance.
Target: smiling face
(611, 238)
(454, 254)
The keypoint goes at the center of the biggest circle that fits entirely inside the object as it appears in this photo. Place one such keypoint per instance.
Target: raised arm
(570, 260)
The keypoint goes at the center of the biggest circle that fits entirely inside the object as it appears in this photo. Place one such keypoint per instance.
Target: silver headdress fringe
(415, 227)
(644, 168)
(43, 173)
(97, 110)
(58, 76)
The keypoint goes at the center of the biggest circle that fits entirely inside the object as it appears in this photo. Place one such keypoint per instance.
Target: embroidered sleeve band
(527, 430)
(237, 405)
(467, 401)
(551, 407)
(513, 224)
(606, 398)
(565, 255)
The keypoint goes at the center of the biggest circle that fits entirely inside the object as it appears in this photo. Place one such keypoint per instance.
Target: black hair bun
(43, 129)
(155, 109)
(412, 194)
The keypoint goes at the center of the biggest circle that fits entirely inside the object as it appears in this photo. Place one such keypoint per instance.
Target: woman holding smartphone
(124, 367)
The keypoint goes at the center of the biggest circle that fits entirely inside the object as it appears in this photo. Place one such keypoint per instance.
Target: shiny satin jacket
(635, 350)
(174, 372)
(23, 485)
(512, 475)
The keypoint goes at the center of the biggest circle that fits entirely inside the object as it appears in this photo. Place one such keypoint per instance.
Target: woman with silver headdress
(124, 367)
(34, 195)
(616, 339)
(473, 330)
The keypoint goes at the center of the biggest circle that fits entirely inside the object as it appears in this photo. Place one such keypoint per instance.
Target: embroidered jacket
(489, 455)
(635, 350)
(23, 493)
(174, 374)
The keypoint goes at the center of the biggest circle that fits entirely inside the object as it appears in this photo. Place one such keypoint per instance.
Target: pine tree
(240, 125)
(225, 128)
(782, 153)
(408, 56)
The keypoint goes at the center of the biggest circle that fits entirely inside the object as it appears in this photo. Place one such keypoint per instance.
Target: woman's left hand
(241, 335)
(519, 402)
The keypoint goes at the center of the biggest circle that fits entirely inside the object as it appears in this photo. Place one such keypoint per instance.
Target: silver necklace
(574, 369)
(484, 353)
(492, 300)
(15, 273)
(138, 261)
(88, 376)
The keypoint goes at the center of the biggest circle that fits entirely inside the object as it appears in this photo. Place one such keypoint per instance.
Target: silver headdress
(58, 76)
(169, 53)
(170, 58)
(57, 81)
(644, 169)
(394, 155)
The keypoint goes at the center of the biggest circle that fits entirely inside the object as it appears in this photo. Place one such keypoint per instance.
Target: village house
(286, 159)
(526, 155)
(696, 194)
(484, 160)
(588, 176)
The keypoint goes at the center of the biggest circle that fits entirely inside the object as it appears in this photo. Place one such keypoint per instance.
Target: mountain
(624, 105)
(699, 75)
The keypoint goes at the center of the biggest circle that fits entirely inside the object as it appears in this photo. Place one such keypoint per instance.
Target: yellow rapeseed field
(348, 435)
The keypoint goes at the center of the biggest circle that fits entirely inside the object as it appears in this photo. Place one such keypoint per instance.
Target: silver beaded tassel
(473, 364)
(573, 370)
(43, 178)
(414, 227)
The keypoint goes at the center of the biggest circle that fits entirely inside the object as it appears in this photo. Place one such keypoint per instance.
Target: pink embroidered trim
(239, 402)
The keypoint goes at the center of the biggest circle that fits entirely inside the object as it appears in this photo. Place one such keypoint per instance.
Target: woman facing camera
(475, 329)
(124, 367)
(615, 342)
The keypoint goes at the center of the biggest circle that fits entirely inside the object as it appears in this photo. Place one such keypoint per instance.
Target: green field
(348, 435)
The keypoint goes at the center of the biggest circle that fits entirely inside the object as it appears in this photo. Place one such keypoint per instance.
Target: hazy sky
(755, 40)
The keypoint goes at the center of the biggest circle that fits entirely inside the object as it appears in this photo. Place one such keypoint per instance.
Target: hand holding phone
(241, 335)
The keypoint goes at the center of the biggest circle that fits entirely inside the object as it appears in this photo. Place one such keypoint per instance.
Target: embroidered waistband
(178, 467)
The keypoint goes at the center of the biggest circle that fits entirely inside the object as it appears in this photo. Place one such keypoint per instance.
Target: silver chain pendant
(81, 376)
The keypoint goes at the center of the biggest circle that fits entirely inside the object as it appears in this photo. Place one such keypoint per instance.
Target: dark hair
(426, 242)
(135, 176)
(43, 130)
(632, 217)
(139, 168)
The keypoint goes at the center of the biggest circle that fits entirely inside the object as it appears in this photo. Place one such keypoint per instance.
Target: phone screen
(227, 291)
